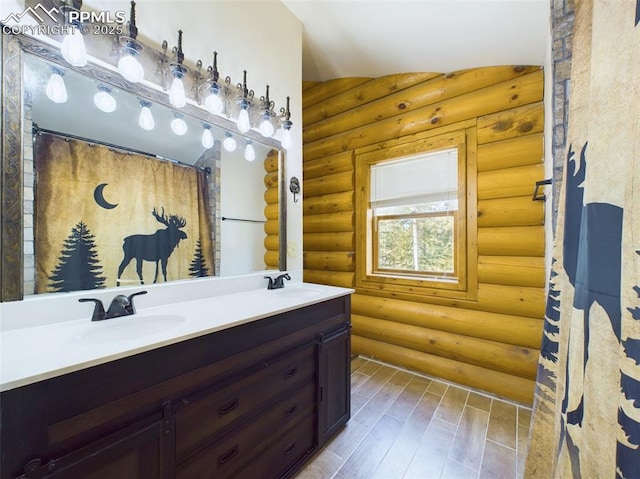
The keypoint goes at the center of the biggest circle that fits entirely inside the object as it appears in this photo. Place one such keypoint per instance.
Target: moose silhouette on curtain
(156, 247)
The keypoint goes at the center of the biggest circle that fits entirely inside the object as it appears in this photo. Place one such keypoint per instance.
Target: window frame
(371, 280)
(405, 272)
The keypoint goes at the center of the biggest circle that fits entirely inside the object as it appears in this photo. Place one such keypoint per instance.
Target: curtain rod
(36, 130)
(224, 218)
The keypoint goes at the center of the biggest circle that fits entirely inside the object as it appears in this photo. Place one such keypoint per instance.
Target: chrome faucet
(121, 305)
(278, 282)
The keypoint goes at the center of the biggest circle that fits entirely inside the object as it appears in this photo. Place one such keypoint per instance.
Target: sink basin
(128, 327)
(301, 292)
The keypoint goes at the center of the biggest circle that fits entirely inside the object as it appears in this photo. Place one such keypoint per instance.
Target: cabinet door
(140, 451)
(334, 374)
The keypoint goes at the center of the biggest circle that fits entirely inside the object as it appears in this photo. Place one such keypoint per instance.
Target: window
(414, 202)
(412, 209)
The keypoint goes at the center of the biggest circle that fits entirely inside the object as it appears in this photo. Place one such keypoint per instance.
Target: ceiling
(372, 38)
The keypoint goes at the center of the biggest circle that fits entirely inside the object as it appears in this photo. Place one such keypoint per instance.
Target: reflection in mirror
(96, 148)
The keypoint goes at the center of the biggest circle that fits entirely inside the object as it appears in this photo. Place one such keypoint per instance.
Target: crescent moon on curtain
(98, 195)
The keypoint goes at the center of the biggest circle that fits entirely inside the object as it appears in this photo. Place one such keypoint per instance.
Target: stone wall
(562, 17)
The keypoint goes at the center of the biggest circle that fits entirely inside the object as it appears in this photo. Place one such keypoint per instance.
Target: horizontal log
(434, 91)
(507, 358)
(328, 165)
(362, 94)
(516, 211)
(398, 148)
(422, 137)
(271, 195)
(518, 151)
(272, 211)
(342, 241)
(503, 96)
(272, 227)
(331, 222)
(518, 181)
(323, 91)
(272, 243)
(511, 241)
(271, 179)
(512, 270)
(511, 123)
(329, 184)
(495, 382)
(271, 259)
(271, 161)
(502, 328)
(331, 278)
(327, 261)
(331, 203)
(516, 300)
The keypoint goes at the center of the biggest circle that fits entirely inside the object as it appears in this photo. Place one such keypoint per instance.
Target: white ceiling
(372, 38)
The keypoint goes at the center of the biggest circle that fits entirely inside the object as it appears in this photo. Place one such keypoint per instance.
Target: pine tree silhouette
(198, 266)
(78, 266)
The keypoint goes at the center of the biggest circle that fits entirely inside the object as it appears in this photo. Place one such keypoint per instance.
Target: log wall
(491, 343)
(271, 211)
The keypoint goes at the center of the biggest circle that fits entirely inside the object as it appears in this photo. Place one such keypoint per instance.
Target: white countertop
(33, 354)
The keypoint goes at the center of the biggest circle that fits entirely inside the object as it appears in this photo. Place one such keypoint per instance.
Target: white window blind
(420, 179)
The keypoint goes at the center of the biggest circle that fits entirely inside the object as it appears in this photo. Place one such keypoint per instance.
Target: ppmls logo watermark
(87, 22)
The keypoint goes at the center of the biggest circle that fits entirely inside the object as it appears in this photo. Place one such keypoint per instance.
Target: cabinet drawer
(226, 456)
(205, 415)
(284, 454)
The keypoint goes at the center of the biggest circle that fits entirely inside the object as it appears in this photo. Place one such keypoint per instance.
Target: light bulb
(104, 100)
(73, 49)
(176, 95)
(178, 126)
(146, 121)
(207, 138)
(286, 140)
(249, 153)
(130, 68)
(243, 121)
(229, 143)
(266, 128)
(213, 103)
(56, 90)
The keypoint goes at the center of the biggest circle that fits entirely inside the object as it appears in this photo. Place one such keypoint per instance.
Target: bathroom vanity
(254, 395)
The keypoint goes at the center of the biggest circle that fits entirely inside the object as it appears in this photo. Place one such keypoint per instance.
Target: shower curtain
(106, 217)
(586, 421)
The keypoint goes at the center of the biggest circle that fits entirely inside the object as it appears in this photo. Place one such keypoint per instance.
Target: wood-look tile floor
(408, 426)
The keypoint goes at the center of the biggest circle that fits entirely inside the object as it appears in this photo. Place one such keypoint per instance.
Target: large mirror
(236, 193)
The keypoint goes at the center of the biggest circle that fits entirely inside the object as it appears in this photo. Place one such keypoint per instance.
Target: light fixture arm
(286, 114)
(267, 104)
(163, 66)
(179, 54)
(246, 95)
(214, 74)
(198, 82)
(133, 29)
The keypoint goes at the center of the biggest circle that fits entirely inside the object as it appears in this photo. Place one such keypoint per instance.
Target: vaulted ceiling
(371, 38)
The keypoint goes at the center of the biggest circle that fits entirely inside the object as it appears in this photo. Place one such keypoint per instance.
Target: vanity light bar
(266, 121)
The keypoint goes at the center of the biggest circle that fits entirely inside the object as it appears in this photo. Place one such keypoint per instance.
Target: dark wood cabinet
(254, 401)
(334, 382)
(142, 450)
